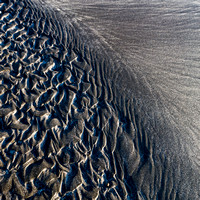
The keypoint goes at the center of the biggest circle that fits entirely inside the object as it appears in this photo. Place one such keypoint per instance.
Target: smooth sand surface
(99, 100)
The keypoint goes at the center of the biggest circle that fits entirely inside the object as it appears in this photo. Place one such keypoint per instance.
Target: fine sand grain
(84, 114)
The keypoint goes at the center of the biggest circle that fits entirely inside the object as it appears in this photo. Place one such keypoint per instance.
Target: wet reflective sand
(99, 99)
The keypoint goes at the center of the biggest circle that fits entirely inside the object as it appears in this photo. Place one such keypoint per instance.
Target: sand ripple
(65, 132)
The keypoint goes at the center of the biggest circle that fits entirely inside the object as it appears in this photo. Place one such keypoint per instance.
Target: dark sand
(99, 100)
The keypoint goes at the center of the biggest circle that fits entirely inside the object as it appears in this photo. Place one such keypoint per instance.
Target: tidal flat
(99, 100)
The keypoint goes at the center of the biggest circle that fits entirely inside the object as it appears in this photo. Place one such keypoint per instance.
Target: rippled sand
(76, 122)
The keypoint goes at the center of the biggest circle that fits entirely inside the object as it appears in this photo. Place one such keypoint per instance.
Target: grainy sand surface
(99, 100)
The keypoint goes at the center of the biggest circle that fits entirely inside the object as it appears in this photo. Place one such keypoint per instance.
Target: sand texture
(93, 108)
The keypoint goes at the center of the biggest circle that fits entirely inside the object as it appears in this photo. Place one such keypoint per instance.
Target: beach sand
(99, 100)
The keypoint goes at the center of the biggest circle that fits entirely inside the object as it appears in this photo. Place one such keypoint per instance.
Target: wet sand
(83, 115)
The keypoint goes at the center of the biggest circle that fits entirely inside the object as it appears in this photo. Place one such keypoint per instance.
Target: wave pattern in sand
(59, 129)
(65, 132)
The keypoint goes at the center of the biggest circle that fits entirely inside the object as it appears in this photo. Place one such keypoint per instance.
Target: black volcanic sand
(75, 123)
